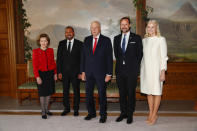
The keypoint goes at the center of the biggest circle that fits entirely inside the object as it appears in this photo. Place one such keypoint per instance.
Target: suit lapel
(90, 45)
(74, 46)
(65, 45)
(128, 45)
(119, 43)
(98, 44)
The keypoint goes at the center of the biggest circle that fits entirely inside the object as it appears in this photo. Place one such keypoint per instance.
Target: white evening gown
(154, 60)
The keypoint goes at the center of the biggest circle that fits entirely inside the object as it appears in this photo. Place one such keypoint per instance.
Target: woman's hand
(162, 76)
(55, 77)
(39, 80)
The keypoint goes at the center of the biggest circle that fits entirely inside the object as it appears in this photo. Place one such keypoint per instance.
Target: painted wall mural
(177, 19)
(51, 17)
(178, 23)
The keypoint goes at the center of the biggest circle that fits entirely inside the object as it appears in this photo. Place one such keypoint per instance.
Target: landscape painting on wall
(178, 23)
(177, 19)
(51, 17)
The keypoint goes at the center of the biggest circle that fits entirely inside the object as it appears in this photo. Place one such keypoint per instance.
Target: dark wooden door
(7, 49)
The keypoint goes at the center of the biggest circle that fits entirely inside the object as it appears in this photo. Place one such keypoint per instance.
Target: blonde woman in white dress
(153, 67)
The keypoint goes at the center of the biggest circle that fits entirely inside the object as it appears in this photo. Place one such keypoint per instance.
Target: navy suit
(127, 73)
(96, 66)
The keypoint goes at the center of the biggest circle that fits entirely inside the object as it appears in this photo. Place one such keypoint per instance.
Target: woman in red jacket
(45, 72)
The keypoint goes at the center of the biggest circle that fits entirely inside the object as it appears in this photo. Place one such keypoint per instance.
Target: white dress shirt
(127, 39)
(94, 40)
(72, 41)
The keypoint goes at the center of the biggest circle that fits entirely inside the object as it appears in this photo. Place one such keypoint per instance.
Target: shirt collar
(127, 34)
(70, 40)
(97, 36)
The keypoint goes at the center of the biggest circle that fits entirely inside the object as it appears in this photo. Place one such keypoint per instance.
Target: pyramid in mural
(186, 13)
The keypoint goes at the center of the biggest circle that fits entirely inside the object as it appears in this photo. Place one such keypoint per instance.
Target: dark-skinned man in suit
(68, 66)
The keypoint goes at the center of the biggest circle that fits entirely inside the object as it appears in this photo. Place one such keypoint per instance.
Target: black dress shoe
(49, 113)
(89, 117)
(76, 113)
(129, 120)
(65, 112)
(121, 117)
(44, 116)
(103, 119)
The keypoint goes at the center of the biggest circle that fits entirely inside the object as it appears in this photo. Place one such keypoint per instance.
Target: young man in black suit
(68, 67)
(128, 53)
(96, 68)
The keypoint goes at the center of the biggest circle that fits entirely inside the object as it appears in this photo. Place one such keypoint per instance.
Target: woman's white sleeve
(164, 57)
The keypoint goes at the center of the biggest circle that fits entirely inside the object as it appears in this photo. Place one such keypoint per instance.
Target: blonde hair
(157, 31)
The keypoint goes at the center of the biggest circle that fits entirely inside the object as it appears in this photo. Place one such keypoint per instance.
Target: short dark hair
(126, 18)
(70, 27)
(41, 36)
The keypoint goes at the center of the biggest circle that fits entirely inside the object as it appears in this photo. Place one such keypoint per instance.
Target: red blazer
(43, 61)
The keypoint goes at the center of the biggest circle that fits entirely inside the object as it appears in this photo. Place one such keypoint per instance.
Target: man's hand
(79, 76)
(107, 78)
(60, 76)
(83, 76)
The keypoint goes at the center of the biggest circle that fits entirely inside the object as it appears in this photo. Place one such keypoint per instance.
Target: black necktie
(69, 45)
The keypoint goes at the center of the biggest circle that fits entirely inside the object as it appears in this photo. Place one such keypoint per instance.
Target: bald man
(96, 68)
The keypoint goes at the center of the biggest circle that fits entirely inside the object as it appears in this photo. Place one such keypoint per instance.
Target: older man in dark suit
(128, 53)
(96, 68)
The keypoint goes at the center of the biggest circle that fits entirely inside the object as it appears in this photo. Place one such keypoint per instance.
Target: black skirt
(47, 87)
